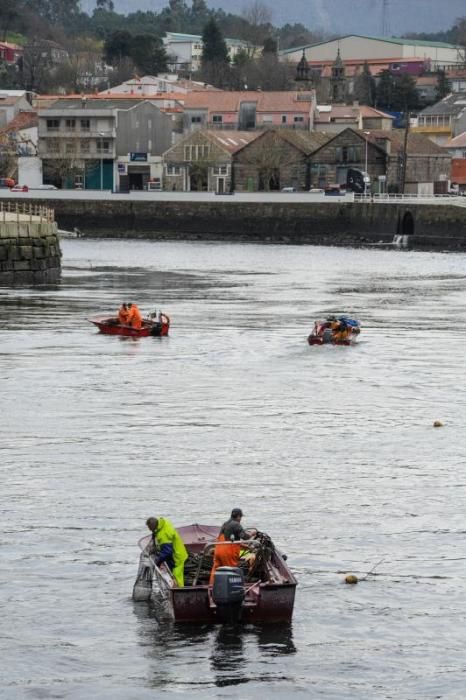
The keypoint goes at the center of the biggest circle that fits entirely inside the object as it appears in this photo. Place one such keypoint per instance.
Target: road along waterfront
(330, 450)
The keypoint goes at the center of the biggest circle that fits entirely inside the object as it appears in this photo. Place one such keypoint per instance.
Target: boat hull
(274, 604)
(111, 326)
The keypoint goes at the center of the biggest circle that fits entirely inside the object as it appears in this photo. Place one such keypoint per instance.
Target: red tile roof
(23, 120)
(224, 101)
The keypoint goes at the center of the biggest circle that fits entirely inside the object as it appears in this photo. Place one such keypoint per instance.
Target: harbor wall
(29, 250)
(428, 226)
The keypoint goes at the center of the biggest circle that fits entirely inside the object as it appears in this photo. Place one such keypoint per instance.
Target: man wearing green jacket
(170, 545)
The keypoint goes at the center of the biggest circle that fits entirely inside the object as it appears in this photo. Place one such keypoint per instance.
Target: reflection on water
(329, 450)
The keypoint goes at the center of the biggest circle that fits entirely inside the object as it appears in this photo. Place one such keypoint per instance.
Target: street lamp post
(365, 164)
(101, 160)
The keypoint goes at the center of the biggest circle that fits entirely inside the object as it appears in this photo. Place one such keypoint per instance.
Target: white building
(353, 46)
(185, 50)
(150, 85)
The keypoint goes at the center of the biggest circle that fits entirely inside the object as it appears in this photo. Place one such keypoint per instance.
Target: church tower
(338, 81)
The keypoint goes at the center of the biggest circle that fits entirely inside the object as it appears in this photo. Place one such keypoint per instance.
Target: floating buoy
(438, 424)
(351, 578)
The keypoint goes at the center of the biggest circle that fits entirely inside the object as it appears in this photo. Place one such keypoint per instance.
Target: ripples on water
(330, 450)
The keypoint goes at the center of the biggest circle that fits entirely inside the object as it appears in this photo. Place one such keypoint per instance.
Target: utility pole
(405, 151)
(385, 18)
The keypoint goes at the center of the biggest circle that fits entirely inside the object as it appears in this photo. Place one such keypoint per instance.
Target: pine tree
(214, 49)
(364, 87)
(385, 90)
(443, 85)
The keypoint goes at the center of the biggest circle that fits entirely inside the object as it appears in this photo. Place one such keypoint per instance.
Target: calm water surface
(329, 450)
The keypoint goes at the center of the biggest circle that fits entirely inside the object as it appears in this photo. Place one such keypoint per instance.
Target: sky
(336, 16)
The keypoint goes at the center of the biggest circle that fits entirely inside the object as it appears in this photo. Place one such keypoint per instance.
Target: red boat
(150, 326)
(333, 331)
(266, 594)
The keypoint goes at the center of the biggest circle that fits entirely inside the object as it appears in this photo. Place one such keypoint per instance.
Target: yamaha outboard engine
(228, 592)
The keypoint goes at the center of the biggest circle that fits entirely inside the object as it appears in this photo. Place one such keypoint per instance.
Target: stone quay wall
(29, 248)
(433, 226)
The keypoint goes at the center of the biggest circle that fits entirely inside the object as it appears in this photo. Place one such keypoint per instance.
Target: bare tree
(258, 17)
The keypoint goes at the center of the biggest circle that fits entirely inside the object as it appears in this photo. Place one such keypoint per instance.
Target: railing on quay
(456, 200)
(26, 211)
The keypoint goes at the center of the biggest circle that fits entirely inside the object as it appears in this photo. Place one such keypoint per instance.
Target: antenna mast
(385, 18)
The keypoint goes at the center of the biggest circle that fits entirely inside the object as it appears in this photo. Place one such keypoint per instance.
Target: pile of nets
(197, 568)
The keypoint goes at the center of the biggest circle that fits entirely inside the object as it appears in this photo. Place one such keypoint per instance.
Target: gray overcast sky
(336, 16)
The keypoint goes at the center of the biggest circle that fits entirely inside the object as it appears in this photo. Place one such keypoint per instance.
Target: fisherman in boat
(227, 552)
(123, 314)
(169, 547)
(134, 316)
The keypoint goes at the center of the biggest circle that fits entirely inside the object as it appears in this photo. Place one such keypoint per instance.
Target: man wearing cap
(227, 552)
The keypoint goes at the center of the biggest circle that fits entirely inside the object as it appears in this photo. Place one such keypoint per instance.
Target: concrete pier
(29, 246)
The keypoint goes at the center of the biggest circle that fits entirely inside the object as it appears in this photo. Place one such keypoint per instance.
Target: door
(220, 185)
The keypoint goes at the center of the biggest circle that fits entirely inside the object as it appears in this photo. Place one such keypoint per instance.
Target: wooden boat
(150, 326)
(268, 598)
(324, 332)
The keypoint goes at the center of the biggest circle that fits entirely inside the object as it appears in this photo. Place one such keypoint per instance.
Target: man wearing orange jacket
(134, 316)
(123, 314)
(227, 552)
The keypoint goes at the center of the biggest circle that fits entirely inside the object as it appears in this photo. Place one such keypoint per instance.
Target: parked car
(7, 182)
(19, 188)
(288, 189)
(316, 190)
(333, 190)
(45, 187)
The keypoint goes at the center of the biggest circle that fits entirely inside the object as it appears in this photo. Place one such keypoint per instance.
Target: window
(71, 124)
(53, 124)
(103, 146)
(298, 119)
(267, 119)
(196, 120)
(53, 146)
(217, 118)
(283, 118)
(173, 170)
(85, 147)
(85, 124)
(69, 148)
(197, 152)
(221, 170)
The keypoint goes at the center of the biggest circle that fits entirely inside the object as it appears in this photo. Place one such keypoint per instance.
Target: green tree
(8, 15)
(214, 49)
(106, 5)
(385, 90)
(405, 96)
(443, 85)
(117, 46)
(215, 62)
(148, 54)
(364, 87)
(270, 46)
(59, 12)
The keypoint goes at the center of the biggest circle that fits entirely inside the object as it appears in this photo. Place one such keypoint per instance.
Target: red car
(19, 188)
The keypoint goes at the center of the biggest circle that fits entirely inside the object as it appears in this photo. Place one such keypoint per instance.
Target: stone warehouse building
(202, 161)
(381, 154)
(276, 159)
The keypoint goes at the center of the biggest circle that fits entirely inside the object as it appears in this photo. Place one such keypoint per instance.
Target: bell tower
(338, 80)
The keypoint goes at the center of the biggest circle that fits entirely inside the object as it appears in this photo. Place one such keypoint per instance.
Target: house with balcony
(443, 120)
(97, 143)
(249, 110)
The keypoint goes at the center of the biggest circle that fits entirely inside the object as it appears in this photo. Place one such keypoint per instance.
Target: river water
(329, 450)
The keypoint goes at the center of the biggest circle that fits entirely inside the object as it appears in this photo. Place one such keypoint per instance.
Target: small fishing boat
(262, 591)
(335, 331)
(150, 326)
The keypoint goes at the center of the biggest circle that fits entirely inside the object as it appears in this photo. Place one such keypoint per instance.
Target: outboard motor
(156, 330)
(228, 592)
